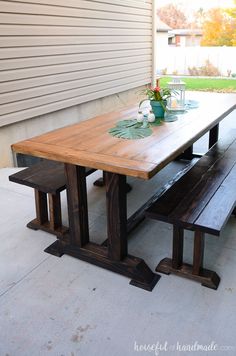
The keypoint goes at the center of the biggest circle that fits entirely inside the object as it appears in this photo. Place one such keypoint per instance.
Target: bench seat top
(46, 176)
(204, 197)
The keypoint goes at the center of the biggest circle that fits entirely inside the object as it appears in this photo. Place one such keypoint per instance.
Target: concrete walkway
(64, 306)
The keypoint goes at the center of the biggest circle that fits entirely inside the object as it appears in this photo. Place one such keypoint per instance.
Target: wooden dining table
(89, 144)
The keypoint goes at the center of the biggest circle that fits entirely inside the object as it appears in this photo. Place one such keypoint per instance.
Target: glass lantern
(177, 100)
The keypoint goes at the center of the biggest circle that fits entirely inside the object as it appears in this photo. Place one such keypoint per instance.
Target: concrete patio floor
(64, 306)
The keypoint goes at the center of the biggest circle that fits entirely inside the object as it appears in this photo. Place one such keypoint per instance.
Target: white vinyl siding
(56, 53)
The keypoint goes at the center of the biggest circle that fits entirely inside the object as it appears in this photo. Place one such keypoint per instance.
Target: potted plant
(158, 99)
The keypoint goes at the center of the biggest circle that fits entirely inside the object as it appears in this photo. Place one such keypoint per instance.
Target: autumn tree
(199, 18)
(218, 28)
(172, 16)
(232, 13)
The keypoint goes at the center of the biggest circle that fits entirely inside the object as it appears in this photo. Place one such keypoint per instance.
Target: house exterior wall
(162, 39)
(56, 56)
(193, 41)
(186, 40)
(22, 130)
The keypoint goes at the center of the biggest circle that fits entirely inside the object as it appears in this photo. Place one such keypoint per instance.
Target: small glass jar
(177, 100)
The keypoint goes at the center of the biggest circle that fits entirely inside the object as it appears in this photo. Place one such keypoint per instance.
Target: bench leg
(206, 277)
(41, 208)
(53, 225)
(54, 202)
(198, 252)
(168, 265)
(178, 247)
(196, 271)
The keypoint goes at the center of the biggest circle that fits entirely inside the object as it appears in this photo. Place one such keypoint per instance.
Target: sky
(196, 4)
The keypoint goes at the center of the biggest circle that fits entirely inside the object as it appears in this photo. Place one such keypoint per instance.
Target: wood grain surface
(203, 199)
(88, 143)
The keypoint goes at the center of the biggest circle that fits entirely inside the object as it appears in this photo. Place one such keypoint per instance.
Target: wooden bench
(202, 200)
(48, 180)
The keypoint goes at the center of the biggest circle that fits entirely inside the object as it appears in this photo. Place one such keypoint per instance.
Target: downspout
(154, 42)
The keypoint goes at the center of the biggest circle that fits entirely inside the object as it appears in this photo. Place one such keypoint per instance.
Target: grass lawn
(206, 84)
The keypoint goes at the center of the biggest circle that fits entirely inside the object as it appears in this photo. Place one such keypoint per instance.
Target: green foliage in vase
(157, 94)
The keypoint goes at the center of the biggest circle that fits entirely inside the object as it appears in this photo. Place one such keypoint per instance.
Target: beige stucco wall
(28, 128)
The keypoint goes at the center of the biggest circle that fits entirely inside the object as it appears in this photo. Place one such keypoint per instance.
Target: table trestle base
(130, 266)
(148, 287)
(115, 255)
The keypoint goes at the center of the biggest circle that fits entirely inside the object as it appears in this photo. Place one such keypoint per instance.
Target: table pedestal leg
(137, 269)
(101, 182)
(113, 257)
(116, 216)
(213, 136)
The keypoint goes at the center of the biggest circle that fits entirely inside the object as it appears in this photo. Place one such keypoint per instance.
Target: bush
(193, 71)
(208, 70)
(164, 71)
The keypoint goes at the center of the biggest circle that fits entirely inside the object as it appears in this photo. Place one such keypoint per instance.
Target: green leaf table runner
(132, 130)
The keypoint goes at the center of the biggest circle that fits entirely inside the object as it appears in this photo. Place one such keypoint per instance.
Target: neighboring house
(185, 37)
(66, 61)
(162, 33)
